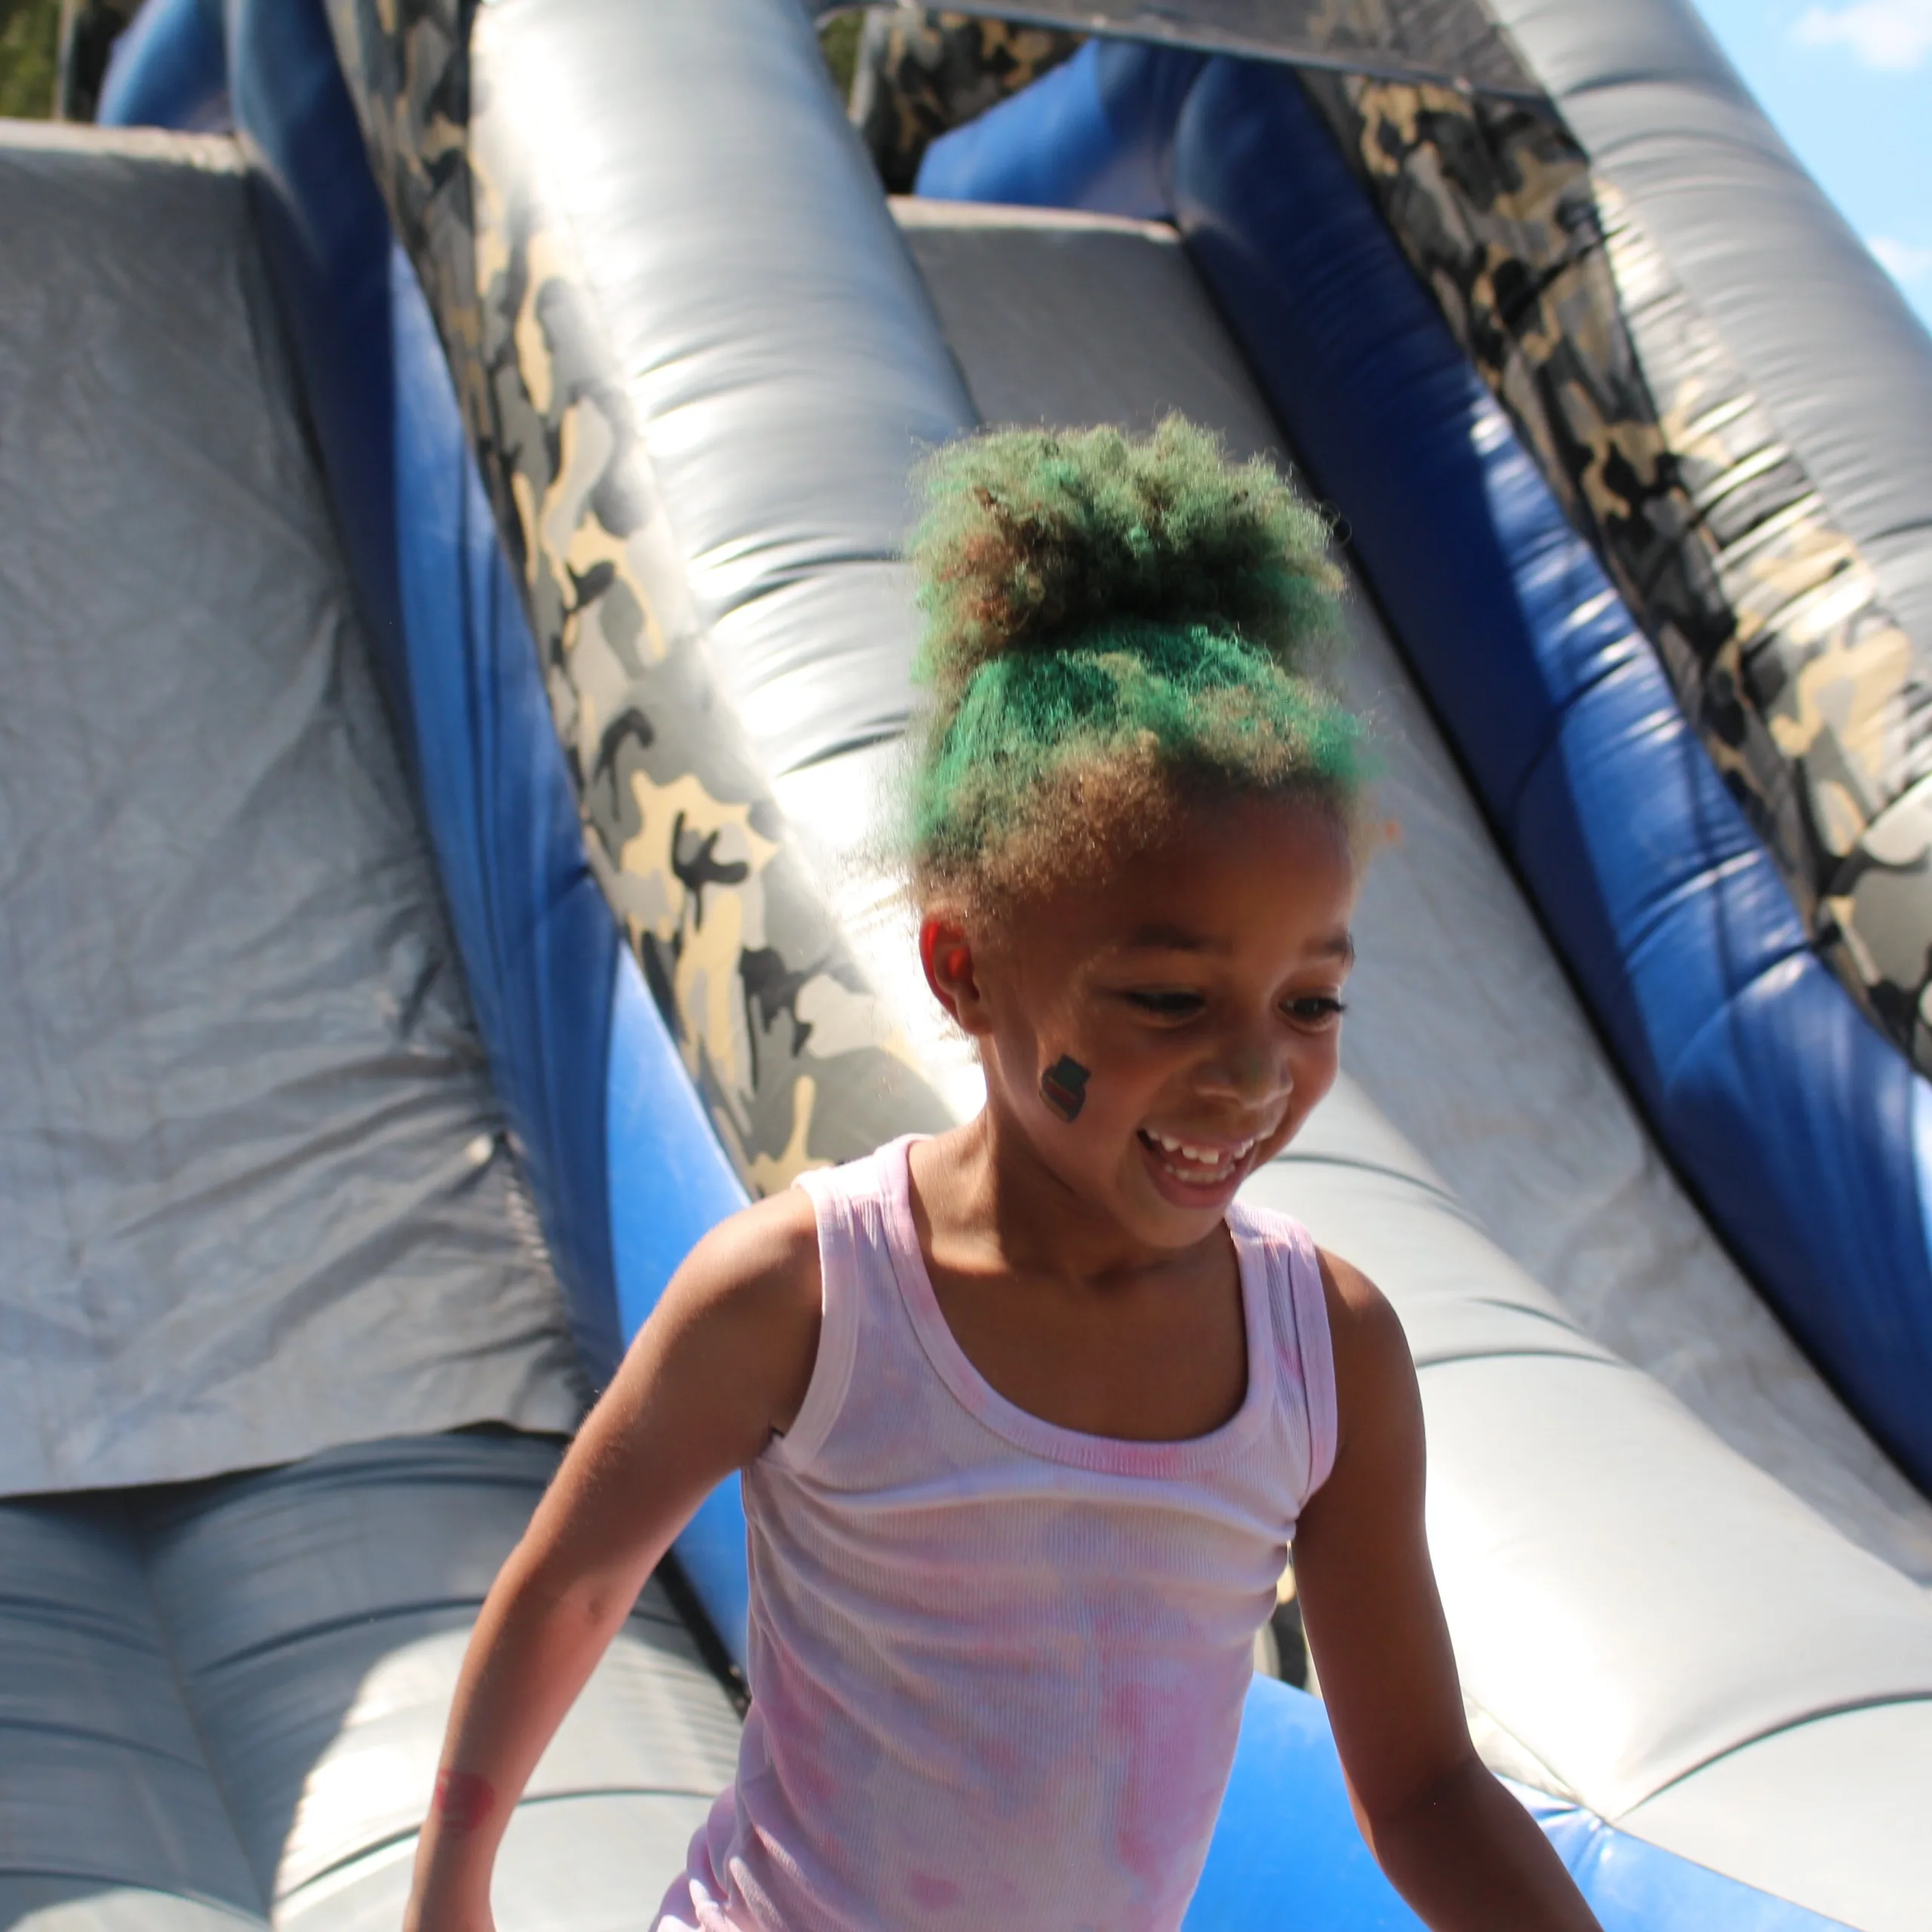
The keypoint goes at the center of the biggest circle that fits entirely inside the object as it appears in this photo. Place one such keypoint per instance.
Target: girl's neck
(989, 1198)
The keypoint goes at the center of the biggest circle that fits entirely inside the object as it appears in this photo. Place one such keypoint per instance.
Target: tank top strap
(1304, 1362)
(852, 1204)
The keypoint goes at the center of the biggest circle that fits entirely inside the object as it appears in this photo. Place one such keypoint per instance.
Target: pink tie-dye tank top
(997, 1666)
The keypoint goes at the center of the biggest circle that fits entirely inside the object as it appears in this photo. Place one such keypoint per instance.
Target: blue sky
(1849, 83)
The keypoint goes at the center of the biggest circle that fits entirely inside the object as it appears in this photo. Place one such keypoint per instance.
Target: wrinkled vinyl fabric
(221, 1703)
(255, 1196)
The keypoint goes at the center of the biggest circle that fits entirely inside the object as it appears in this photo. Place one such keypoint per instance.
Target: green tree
(29, 40)
(839, 38)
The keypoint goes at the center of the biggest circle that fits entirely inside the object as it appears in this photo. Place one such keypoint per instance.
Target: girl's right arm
(724, 1361)
(1453, 1840)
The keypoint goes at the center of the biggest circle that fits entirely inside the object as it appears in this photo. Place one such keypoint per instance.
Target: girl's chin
(1198, 1197)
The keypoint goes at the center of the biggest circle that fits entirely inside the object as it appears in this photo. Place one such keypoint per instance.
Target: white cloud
(1896, 34)
(1905, 261)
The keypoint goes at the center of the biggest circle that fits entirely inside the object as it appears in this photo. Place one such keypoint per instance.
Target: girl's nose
(1246, 1070)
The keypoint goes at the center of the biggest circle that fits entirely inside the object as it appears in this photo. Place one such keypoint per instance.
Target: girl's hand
(1463, 1852)
(724, 1361)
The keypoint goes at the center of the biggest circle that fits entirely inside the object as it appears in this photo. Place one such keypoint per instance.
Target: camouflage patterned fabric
(791, 1053)
(920, 73)
(1806, 693)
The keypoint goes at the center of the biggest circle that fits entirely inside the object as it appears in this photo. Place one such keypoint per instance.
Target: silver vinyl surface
(255, 1197)
(221, 1703)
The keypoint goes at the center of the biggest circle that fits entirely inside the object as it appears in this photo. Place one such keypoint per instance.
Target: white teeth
(1220, 1160)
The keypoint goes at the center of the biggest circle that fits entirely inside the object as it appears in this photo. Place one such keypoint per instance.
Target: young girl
(1028, 1413)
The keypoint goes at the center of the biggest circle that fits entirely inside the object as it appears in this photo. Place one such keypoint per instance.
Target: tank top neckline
(1117, 1455)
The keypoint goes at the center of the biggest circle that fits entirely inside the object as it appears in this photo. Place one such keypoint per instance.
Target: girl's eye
(1315, 1010)
(1168, 1005)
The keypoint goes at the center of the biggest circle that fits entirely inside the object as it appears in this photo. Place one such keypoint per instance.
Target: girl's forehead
(1281, 874)
(1273, 845)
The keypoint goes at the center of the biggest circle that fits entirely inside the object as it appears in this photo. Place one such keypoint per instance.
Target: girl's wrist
(450, 1895)
(454, 1871)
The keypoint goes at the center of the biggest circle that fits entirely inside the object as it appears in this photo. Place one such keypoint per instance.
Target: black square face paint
(1064, 1087)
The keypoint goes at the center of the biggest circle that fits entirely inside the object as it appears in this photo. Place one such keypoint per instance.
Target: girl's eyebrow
(1178, 939)
(1169, 939)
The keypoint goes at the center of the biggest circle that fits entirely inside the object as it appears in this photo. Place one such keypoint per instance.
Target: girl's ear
(946, 954)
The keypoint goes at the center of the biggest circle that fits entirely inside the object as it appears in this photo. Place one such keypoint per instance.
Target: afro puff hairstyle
(1116, 628)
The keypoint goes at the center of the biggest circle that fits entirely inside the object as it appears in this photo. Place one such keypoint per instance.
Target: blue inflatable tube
(169, 69)
(1803, 1133)
(1084, 125)
(1309, 1871)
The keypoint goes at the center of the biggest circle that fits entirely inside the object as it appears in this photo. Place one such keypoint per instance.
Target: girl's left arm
(1463, 1852)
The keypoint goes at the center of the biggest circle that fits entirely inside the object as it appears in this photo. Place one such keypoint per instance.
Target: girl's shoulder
(752, 1285)
(871, 1176)
(1374, 1373)
(1346, 1334)
(771, 1246)
(1351, 1302)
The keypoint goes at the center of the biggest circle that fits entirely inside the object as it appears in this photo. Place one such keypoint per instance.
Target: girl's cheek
(1137, 1073)
(1315, 1073)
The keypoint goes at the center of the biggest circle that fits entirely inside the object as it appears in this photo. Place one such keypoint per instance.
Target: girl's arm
(1463, 1852)
(724, 1361)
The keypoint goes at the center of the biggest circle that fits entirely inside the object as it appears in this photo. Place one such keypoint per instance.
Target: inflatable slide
(456, 643)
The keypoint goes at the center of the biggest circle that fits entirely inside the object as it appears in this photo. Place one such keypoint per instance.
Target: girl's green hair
(1098, 604)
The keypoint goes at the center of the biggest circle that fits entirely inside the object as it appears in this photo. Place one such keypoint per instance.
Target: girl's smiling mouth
(1196, 1166)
